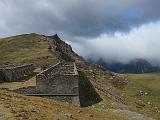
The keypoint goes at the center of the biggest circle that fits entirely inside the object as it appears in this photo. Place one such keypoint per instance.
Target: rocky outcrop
(64, 50)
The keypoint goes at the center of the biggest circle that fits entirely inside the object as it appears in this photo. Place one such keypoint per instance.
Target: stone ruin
(14, 73)
(60, 82)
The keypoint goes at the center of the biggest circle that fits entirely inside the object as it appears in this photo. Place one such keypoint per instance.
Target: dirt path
(131, 115)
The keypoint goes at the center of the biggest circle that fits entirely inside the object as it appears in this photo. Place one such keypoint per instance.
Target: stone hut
(60, 82)
(14, 73)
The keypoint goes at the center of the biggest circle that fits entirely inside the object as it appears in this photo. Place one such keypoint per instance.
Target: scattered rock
(103, 106)
(99, 110)
(68, 115)
(140, 104)
(146, 93)
(79, 111)
(149, 103)
(90, 115)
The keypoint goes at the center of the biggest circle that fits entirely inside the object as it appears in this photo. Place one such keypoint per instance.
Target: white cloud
(143, 42)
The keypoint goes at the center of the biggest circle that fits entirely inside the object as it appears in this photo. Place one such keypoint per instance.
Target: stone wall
(60, 81)
(59, 84)
(1, 75)
(13, 73)
(73, 99)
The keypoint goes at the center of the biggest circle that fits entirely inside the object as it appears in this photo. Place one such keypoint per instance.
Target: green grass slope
(143, 93)
(29, 48)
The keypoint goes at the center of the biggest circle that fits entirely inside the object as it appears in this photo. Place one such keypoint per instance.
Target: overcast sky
(110, 29)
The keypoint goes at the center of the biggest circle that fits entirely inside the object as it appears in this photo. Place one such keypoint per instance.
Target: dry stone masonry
(60, 82)
(12, 73)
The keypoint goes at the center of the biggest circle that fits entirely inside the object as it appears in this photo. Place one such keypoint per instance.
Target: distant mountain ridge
(134, 66)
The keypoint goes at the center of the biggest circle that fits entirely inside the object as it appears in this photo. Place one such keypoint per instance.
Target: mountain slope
(61, 51)
(46, 50)
(42, 50)
(29, 48)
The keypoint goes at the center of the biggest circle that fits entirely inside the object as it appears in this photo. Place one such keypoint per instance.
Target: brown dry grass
(19, 107)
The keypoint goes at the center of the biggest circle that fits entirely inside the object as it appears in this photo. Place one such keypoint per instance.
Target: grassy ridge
(25, 48)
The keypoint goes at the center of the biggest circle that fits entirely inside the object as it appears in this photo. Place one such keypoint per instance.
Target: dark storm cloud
(110, 29)
(75, 18)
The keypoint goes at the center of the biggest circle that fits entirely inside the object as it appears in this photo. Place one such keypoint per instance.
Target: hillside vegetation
(18, 107)
(29, 48)
(143, 92)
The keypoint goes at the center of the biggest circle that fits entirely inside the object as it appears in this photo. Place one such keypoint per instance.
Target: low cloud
(143, 42)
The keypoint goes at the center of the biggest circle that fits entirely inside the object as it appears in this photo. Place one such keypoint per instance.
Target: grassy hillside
(143, 93)
(18, 107)
(25, 48)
